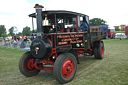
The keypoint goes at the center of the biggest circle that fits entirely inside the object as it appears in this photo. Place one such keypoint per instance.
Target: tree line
(27, 32)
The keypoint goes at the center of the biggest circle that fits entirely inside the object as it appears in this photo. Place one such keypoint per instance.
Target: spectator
(25, 42)
(14, 43)
(32, 37)
(15, 37)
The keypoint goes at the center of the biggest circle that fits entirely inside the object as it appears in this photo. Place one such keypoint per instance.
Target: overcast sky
(15, 12)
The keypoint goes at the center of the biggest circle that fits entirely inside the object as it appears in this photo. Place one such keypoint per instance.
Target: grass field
(112, 70)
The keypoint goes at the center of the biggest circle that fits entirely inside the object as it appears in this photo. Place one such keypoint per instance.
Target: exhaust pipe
(40, 48)
(39, 20)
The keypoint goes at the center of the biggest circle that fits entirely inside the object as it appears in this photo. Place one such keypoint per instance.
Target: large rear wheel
(99, 50)
(26, 65)
(65, 67)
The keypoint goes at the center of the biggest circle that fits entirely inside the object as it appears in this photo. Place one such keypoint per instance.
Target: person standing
(15, 37)
(32, 37)
(25, 42)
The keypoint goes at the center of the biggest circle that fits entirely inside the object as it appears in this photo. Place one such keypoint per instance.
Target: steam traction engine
(58, 44)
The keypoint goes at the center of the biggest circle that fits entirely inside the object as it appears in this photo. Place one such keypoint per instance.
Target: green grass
(112, 70)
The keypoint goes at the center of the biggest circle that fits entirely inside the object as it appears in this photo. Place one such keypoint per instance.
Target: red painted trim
(53, 52)
(80, 52)
(62, 30)
(51, 41)
(92, 42)
(39, 65)
(42, 68)
(47, 69)
(47, 62)
(90, 51)
(56, 55)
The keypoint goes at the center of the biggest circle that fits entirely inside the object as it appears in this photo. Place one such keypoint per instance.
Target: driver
(84, 25)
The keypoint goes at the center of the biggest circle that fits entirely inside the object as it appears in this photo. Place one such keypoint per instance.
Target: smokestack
(39, 19)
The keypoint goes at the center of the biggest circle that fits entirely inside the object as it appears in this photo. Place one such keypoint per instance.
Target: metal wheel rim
(68, 68)
(102, 51)
(30, 65)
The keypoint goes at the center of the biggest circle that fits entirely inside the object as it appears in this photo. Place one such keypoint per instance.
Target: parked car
(120, 35)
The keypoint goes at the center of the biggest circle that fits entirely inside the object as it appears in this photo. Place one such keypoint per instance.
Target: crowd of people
(17, 41)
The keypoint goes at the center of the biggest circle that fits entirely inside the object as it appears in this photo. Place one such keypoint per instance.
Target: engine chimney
(39, 20)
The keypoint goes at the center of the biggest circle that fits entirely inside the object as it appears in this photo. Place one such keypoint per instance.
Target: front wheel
(65, 67)
(26, 65)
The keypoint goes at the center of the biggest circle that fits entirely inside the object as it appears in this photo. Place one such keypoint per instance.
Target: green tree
(2, 30)
(11, 31)
(117, 29)
(20, 34)
(34, 31)
(9, 35)
(97, 22)
(26, 31)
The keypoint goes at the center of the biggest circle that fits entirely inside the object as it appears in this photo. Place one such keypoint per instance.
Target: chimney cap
(37, 6)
